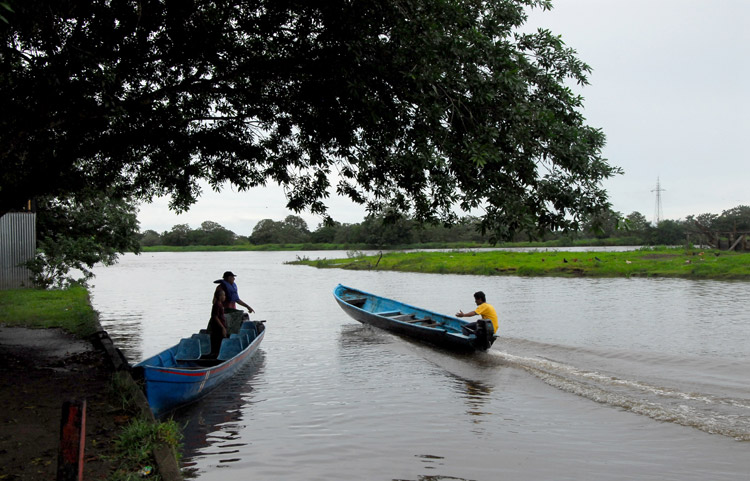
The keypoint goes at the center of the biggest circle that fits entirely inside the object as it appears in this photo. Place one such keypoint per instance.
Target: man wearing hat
(226, 283)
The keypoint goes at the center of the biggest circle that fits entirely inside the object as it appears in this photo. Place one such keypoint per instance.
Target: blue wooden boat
(406, 320)
(187, 371)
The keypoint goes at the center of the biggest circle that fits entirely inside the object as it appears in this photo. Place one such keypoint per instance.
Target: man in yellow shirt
(484, 310)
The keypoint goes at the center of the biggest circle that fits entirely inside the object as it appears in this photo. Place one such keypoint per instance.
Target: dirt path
(41, 369)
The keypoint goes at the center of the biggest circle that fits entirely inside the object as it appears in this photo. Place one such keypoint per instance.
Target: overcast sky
(669, 88)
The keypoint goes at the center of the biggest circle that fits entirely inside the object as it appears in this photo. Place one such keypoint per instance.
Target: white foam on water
(707, 412)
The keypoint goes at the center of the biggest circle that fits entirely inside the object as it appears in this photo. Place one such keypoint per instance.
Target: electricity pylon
(657, 208)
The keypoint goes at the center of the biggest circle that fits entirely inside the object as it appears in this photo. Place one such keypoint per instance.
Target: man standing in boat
(484, 310)
(226, 283)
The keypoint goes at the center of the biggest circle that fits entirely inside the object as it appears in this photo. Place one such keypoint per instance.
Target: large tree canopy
(417, 105)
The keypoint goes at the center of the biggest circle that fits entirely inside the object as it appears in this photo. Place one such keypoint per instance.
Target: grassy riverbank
(34, 308)
(122, 448)
(659, 262)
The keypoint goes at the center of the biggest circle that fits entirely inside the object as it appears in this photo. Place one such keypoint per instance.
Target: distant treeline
(374, 231)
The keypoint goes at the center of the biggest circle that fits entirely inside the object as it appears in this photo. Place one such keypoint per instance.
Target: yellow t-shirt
(486, 311)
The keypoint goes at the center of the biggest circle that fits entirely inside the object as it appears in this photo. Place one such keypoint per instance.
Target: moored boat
(421, 324)
(188, 370)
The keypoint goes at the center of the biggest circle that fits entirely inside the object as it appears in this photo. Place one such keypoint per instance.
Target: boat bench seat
(357, 301)
(230, 347)
(388, 313)
(189, 349)
(248, 333)
(429, 323)
(248, 327)
(412, 319)
(205, 342)
(246, 337)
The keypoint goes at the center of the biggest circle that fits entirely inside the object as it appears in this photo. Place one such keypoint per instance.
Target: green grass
(135, 445)
(68, 309)
(646, 262)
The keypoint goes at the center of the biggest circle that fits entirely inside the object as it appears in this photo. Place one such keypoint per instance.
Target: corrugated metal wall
(17, 245)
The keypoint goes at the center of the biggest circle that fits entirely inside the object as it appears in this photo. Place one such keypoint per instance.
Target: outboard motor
(485, 334)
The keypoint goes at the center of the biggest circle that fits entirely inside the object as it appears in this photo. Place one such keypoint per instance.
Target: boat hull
(410, 321)
(169, 384)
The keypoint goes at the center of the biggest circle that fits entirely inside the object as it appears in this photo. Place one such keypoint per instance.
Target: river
(604, 379)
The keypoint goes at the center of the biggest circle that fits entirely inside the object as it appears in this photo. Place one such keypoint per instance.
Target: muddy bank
(43, 368)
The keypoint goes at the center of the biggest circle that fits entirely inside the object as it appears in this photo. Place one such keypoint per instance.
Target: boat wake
(709, 406)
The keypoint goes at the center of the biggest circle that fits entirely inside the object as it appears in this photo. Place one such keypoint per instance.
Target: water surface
(592, 378)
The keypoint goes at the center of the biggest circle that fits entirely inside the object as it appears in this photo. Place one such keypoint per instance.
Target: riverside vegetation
(645, 262)
(128, 442)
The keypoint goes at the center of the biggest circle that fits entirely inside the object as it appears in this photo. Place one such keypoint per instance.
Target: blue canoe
(420, 324)
(186, 371)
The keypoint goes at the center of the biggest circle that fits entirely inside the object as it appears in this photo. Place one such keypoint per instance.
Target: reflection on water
(477, 396)
(326, 398)
(428, 463)
(212, 427)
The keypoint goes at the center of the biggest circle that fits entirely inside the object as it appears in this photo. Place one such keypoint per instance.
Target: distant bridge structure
(733, 241)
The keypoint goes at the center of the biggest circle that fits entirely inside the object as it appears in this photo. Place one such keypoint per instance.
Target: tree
(325, 233)
(466, 230)
(178, 236)
(701, 228)
(637, 223)
(734, 219)
(387, 230)
(294, 230)
(214, 234)
(669, 232)
(266, 231)
(350, 234)
(150, 238)
(242, 239)
(5, 6)
(602, 224)
(415, 105)
(78, 232)
(706, 220)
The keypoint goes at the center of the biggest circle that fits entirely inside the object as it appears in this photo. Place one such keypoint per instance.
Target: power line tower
(657, 208)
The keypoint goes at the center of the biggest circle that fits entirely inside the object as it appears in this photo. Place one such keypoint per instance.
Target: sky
(669, 89)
